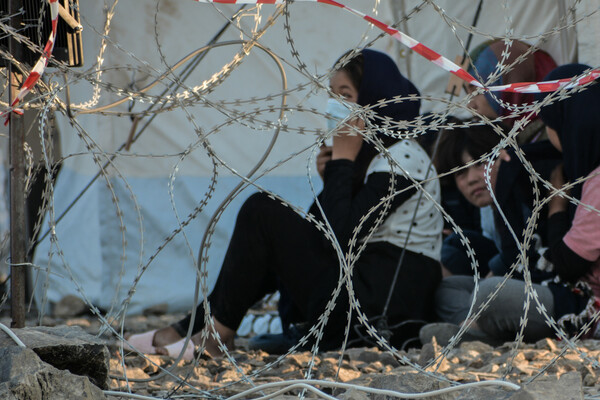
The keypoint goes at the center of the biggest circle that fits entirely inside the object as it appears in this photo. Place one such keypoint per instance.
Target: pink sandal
(141, 342)
(174, 349)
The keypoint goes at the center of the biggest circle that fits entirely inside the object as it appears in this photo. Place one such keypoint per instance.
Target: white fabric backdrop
(91, 236)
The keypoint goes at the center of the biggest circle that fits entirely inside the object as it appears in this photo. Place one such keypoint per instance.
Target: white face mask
(336, 112)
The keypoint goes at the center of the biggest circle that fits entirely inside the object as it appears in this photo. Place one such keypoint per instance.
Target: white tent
(121, 222)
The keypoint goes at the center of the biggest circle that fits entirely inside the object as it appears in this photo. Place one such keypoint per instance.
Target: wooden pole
(18, 227)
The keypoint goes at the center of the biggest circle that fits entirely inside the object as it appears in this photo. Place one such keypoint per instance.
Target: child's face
(481, 105)
(341, 84)
(471, 181)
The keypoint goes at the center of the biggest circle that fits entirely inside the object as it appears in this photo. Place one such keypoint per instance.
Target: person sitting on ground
(571, 295)
(532, 66)
(494, 247)
(486, 58)
(273, 246)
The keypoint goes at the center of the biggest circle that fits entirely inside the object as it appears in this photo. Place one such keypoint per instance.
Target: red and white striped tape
(419, 48)
(40, 65)
(441, 61)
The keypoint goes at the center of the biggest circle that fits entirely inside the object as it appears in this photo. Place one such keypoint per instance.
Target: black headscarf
(577, 122)
(381, 80)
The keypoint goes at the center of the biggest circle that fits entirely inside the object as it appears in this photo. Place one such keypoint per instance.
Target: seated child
(532, 67)
(274, 247)
(573, 258)
(493, 244)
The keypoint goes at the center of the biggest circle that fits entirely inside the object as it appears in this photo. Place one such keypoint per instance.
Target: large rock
(67, 348)
(70, 306)
(24, 376)
(567, 387)
(354, 394)
(370, 355)
(409, 383)
(494, 392)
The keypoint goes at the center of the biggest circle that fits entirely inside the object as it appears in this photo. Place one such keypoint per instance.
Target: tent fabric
(100, 256)
(92, 238)
(522, 19)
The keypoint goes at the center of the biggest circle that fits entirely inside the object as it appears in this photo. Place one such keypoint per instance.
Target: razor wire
(182, 95)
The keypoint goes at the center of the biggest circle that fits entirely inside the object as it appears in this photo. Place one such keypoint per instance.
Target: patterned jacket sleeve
(344, 210)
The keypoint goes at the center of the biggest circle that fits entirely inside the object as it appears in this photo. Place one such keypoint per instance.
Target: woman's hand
(347, 141)
(557, 203)
(322, 158)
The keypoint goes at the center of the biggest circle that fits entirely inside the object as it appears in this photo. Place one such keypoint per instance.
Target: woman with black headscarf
(527, 65)
(274, 247)
(573, 127)
(572, 259)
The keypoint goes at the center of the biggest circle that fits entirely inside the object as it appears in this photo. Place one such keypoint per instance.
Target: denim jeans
(501, 319)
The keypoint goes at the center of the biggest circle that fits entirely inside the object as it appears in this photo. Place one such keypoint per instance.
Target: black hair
(353, 67)
(476, 140)
(376, 77)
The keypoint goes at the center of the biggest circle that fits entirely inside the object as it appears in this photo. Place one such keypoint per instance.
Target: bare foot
(147, 342)
(165, 336)
(211, 344)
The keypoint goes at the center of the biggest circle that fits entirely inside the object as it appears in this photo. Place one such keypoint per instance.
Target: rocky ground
(564, 373)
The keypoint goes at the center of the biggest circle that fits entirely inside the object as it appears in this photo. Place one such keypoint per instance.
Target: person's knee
(490, 285)
(503, 307)
(452, 285)
(452, 298)
(255, 204)
(257, 199)
(457, 282)
(489, 288)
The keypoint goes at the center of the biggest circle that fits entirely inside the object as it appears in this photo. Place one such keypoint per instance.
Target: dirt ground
(159, 376)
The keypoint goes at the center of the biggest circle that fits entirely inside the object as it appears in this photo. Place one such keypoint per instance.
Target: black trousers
(274, 247)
